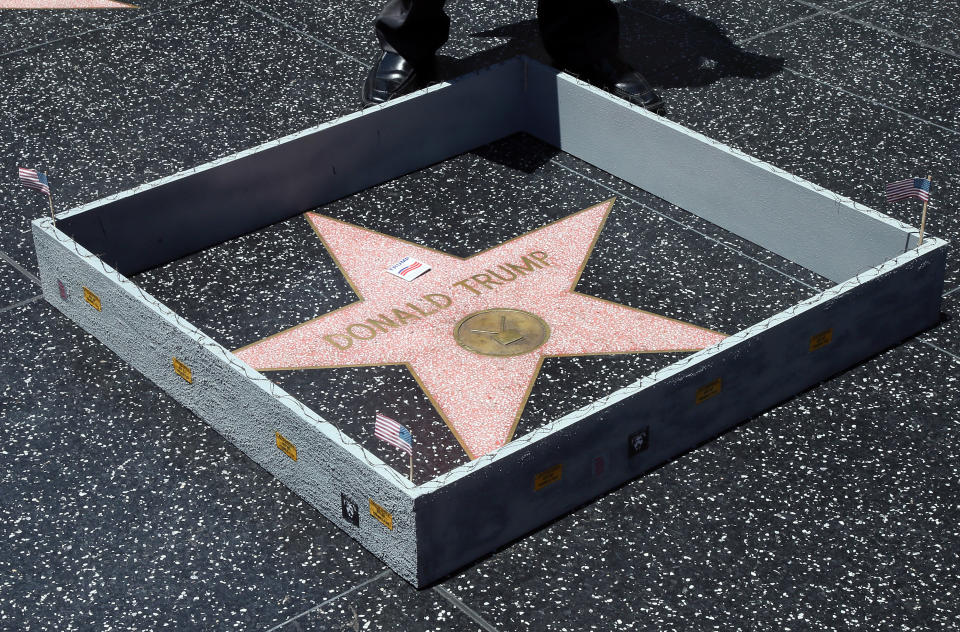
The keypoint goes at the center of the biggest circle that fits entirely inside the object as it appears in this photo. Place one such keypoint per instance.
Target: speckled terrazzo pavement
(121, 511)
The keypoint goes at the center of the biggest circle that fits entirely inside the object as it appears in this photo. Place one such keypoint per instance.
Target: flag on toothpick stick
(395, 434)
(35, 180)
(914, 187)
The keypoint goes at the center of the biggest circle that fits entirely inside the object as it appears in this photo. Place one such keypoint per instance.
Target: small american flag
(914, 187)
(393, 433)
(34, 179)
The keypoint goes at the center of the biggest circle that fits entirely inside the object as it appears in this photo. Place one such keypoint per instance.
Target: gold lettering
(485, 280)
(438, 300)
(530, 267)
(402, 316)
(540, 256)
(332, 339)
(381, 323)
(370, 330)
(420, 311)
(513, 275)
(464, 284)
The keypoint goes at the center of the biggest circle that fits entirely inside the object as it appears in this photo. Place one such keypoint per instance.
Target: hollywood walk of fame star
(474, 331)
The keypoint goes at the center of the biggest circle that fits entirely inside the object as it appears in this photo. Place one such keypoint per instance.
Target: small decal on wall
(599, 466)
(548, 477)
(350, 510)
(62, 288)
(183, 371)
(638, 441)
(710, 390)
(91, 298)
(820, 340)
(286, 446)
(381, 514)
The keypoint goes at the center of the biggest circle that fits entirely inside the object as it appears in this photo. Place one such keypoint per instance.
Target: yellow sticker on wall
(710, 390)
(548, 477)
(92, 298)
(183, 370)
(286, 446)
(821, 339)
(381, 514)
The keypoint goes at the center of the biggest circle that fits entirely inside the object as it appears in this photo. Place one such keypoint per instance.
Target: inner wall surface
(740, 195)
(650, 255)
(198, 210)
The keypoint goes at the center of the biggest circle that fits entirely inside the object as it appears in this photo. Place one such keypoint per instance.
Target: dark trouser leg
(414, 29)
(579, 33)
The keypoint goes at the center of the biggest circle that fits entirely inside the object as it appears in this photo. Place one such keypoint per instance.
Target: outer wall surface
(233, 399)
(484, 510)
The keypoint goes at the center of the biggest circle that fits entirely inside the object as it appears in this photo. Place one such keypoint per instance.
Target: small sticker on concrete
(408, 268)
(638, 441)
(820, 340)
(381, 514)
(92, 298)
(62, 288)
(548, 477)
(710, 390)
(183, 371)
(599, 466)
(286, 446)
(350, 510)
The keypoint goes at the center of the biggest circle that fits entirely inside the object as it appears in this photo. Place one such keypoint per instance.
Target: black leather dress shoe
(623, 80)
(392, 76)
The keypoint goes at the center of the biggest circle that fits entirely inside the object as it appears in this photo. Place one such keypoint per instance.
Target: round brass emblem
(501, 332)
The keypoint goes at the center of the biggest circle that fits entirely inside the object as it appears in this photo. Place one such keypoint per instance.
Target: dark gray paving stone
(21, 28)
(387, 604)
(836, 5)
(935, 22)
(481, 33)
(157, 95)
(347, 27)
(899, 73)
(105, 18)
(737, 19)
(14, 286)
(946, 335)
(121, 510)
(832, 511)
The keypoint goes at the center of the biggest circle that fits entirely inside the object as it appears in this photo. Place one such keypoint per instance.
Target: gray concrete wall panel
(781, 212)
(235, 400)
(473, 515)
(243, 193)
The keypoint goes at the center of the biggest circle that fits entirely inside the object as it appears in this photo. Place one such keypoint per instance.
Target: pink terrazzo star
(400, 322)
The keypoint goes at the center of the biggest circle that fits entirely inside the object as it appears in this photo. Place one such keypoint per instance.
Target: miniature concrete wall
(175, 216)
(488, 504)
(245, 192)
(784, 214)
(443, 524)
(240, 404)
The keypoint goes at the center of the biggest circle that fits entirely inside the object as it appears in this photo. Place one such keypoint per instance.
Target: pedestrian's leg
(583, 37)
(413, 29)
(579, 33)
(410, 32)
